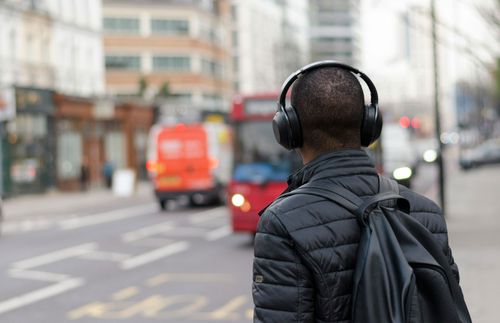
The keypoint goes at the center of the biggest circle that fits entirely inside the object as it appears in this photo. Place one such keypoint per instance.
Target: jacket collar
(338, 163)
(333, 164)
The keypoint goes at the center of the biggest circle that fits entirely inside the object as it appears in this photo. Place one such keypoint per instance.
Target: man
(306, 246)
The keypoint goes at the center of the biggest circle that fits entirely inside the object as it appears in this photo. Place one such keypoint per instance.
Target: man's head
(330, 104)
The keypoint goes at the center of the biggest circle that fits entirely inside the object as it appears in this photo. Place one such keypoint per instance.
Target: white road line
(37, 275)
(40, 294)
(25, 226)
(42, 222)
(105, 256)
(153, 242)
(218, 233)
(186, 232)
(106, 217)
(208, 215)
(146, 232)
(55, 256)
(154, 255)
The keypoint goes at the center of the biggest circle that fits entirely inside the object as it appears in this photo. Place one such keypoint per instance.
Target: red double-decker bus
(261, 166)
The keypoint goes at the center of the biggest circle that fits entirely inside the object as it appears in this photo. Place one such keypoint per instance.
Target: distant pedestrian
(306, 246)
(84, 175)
(107, 172)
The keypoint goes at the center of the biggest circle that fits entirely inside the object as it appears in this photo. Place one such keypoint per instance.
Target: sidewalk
(474, 229)
(67, 202)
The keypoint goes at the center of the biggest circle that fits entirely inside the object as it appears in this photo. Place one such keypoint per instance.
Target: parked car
(486, 153)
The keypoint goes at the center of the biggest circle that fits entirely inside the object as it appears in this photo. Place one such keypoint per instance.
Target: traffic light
(405, 122)
(409, 123)
(415, 123)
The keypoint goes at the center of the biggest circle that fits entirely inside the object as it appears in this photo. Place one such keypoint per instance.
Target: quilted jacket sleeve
(282, 285)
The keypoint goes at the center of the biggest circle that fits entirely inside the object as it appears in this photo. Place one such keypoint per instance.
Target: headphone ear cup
(379, 123)
(296, 128)
(371, 126)
(281, 129)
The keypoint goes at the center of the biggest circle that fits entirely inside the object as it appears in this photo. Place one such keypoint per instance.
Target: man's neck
(308, 154)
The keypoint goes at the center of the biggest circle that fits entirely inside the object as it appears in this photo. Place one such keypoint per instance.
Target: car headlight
(402, 173)
(238, 200)
(430, 155)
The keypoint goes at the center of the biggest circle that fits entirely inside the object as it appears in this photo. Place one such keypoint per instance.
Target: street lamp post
(440, 161)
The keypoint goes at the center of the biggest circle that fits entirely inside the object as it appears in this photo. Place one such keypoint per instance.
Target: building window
(211, 68)
(234, 13)
(69, 157)
(211, 97)
(13, 45)
(172, 63)
(115, 148)
(337, 40)
(121, 25)
(234, 38)
(170, 27)
(236, 64)
(334, 19)
(123, 62)
(181, 97)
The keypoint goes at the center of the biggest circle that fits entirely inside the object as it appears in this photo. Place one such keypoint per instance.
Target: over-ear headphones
(286, 124)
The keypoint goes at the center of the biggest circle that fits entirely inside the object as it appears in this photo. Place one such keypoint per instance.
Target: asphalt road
(125, 264)
(95, 258)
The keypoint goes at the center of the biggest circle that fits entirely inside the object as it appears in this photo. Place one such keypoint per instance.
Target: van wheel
(197, 200)
(163, 204)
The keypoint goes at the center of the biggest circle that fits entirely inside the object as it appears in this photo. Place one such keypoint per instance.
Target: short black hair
(330, 105)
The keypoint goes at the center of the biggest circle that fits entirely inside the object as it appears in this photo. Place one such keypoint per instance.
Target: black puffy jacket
(306, 246)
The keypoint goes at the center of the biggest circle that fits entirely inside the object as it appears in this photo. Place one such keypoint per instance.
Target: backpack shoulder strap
(348, 199)
(387, 185)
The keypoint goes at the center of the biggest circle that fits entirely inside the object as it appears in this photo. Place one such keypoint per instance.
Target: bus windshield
(258, 157)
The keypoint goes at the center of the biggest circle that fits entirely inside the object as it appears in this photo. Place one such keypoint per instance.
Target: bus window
(257, 155)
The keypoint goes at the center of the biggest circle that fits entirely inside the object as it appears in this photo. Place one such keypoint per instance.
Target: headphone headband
(286, 122)
(327, 63)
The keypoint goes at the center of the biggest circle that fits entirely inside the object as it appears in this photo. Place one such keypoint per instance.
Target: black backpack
(401, 274)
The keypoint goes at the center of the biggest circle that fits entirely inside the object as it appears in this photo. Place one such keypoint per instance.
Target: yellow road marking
(230, 307)
(148, 307)
(158, 280)
(249, 314)
(125, 293)
(189, 278)
(93, 310)
(156, 306)
(183, 306)
(226, 312)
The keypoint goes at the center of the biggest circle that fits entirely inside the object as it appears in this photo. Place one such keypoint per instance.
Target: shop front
(95, 135)
(29, 144)
(137, 119)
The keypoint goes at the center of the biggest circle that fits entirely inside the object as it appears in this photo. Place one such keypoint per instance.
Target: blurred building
(48, 47)
(269, 41)
(397, 54)
(178, 51)
(52, 44)
(335, 31)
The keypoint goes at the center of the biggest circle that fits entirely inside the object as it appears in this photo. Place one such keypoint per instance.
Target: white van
(399, 154)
